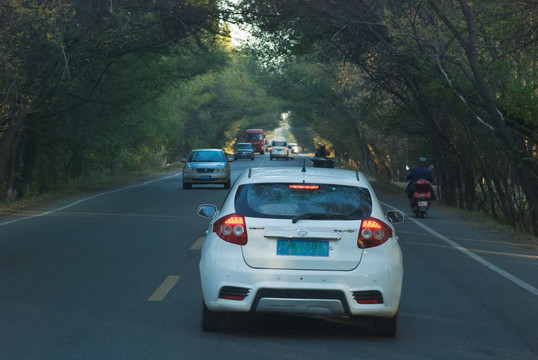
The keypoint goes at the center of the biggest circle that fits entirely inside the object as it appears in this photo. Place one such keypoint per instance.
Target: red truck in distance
(257, 138)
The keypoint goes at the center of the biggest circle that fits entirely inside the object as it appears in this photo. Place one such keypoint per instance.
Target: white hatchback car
(311, 242)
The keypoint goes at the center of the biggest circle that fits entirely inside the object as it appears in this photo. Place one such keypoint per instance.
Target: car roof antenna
(304, 166)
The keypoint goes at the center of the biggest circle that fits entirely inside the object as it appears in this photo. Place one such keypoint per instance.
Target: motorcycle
(321, 158)
(421, 200)
(324, 162)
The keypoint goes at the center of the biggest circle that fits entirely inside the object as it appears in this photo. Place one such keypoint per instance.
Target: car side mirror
(230, 158)
(183, 160)
(207, 211)
(395, 216)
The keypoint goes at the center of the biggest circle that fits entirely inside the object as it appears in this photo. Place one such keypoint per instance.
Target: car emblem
(302, 232)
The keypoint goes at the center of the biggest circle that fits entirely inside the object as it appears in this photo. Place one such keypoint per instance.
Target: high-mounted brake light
(303, 187)
(373, 233)
(231, 228)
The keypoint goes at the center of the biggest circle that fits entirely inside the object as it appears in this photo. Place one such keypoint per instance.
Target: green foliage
(80, 79)
(104, 87)
(455, 82)
(224, 102)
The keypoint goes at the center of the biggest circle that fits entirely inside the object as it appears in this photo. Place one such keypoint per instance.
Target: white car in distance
(294, 148)
(310, 242)
(279, 149)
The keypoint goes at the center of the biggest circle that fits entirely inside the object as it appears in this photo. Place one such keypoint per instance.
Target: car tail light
(231, 228)
(373, 232)
(368, 297)
(233, 293)
(303, 187)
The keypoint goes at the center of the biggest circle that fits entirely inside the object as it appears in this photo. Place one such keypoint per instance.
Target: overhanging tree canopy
(458, 79)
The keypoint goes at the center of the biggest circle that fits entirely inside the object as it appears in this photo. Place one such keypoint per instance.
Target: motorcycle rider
(417, 173)
(321, 151)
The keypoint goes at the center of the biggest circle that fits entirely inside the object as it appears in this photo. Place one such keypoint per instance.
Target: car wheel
(211, 321)
(385, 326)
(227, 184)
(271, 158)
(252, 158)
(187, 185)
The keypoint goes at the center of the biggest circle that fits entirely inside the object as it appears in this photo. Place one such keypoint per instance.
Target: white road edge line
(85, 199)
(473, 256)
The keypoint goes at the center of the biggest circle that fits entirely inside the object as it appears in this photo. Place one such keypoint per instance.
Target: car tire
(252, 158)
(187, 185)
(211, 320)
(270, 158)
(385, 326)
(227, 184)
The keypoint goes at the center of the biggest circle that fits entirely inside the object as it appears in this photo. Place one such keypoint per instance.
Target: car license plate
(423, 203)
(204, 177)
(302, 247)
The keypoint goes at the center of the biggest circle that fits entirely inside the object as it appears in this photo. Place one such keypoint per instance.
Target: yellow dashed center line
(165, 287)
(172, 280)
(198, 244)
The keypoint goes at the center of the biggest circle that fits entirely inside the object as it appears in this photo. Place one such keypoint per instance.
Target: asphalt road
(114, 275)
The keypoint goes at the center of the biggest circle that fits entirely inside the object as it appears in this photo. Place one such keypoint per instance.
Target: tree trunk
(13, 181)
(516, 154)
(29, 160)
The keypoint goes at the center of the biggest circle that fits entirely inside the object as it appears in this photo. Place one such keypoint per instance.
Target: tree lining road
(77, 281)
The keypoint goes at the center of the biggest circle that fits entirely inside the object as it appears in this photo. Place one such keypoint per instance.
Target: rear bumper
(279, 154)
(214, 178)
(238, 156)
(321, 294)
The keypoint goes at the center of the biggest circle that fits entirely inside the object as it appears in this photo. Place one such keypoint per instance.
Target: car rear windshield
(244, 146)
(279, 143)
(288, 201)
(206, 156)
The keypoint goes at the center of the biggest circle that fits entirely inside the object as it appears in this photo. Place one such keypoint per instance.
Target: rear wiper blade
(319, 216)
